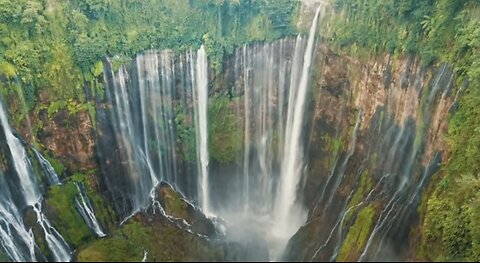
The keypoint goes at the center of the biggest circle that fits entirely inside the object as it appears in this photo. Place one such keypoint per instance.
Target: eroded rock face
(375, 140)
(70, 138)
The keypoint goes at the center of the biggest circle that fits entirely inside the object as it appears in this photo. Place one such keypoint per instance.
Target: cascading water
(17, 241)
(52, 176)
(201, 121)
(85, 208)
(147, 100)
(289, 215)
(160, 90)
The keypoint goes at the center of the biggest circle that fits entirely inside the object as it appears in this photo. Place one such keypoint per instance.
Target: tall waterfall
(288, 216)
(16, 240)
(201, 122)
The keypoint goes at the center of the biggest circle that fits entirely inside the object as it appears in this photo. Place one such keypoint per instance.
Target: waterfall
(201, 120)
(162, 99)
(12, 222)
(289, 215)
(147, 100)
(47, 168)
(16, 240)
(85, 208)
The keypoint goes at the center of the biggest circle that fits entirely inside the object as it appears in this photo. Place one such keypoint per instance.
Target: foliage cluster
(56, 45)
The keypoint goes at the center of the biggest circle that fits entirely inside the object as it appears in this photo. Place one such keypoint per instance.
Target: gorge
(240, 131)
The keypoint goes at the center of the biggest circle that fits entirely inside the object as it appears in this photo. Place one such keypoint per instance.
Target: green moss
(363, 189)
(103, 210)
(332, 147)
(173, 203)
(225, 138)
(7, 70)
(57, 166)
(64, 215)
(162, 242)
(97, 69)
(357, 235)
(62, 211)
(125, 245)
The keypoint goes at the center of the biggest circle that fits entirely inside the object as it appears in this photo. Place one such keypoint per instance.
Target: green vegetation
(364, 188)
(224, 138)
(125, 245)
(186, 136)
(62, 211)
(357, 235)
(64, 215)
(451, 229)
(56, 45)
(162, 242)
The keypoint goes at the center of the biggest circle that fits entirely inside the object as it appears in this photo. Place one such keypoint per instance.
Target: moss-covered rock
(176, 206)
(61, 210)
(154, 234)
(126, 244)
(60, 207)
(357, 235)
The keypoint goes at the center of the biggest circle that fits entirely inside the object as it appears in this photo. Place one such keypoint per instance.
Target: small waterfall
(47, 168)
(31, 195)
(201, 120)
(85, 208)
(60, 250)
(289, 215)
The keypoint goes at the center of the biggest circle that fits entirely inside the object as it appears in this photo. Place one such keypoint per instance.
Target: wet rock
(175, 205)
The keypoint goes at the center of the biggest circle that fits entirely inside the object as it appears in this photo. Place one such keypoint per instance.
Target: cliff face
(376, 139)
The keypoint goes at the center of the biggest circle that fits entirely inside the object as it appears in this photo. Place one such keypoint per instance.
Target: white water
(52, 176)
(201, 102)
(56, 243)
(11, 223)
(289, 215)
(33, 198)
(86, 210)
